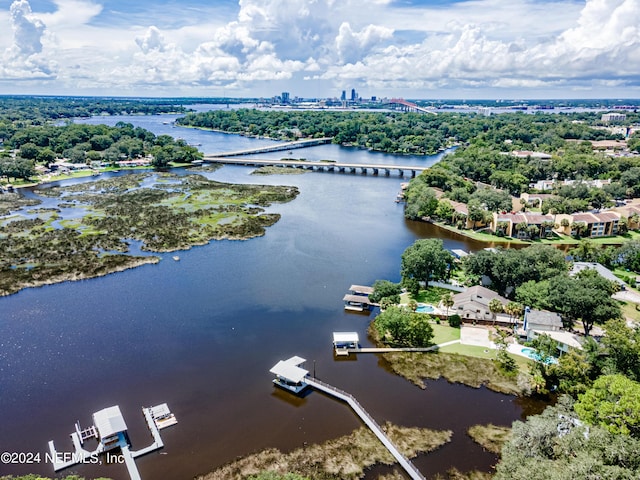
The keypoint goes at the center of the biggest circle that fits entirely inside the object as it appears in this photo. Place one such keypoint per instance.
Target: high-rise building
(354, 95)
(343, 97)
(285, 97)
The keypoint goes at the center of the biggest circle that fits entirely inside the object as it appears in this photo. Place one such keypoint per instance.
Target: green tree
(398, 326)
(495, 307)
(622, 349)
(426, 260)
(585, 297)
(421, 201)
(447, 302)
(514, 310)
(613, 402)
(556, 446)
(445, 211)
(385, 289)
(29, 151)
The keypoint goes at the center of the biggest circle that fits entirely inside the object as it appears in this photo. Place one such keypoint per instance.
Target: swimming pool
(425, 308)
(533, 354)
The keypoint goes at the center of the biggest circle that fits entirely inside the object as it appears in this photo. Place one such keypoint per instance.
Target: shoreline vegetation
(160, 212)
(455, 367)
(344, 458)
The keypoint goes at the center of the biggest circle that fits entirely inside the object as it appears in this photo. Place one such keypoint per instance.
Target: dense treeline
(88, 143)
(37, 110)
(488, 159)
(410, 133)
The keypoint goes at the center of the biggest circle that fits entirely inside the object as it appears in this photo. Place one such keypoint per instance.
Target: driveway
(478, 336)
(627, 295)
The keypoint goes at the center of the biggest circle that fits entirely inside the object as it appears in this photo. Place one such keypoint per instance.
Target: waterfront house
(543, 322)
(473, 304)
(598, 267)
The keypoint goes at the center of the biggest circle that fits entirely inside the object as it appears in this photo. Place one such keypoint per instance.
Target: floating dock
(110, 430)
(282, 370)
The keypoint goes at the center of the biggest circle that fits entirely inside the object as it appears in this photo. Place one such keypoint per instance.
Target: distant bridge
(409, 106)
(337, 167)
(278, 147)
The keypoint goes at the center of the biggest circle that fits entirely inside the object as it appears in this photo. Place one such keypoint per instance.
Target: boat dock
(347, 351)
(280, 370)
(110, 431)
(357, 300)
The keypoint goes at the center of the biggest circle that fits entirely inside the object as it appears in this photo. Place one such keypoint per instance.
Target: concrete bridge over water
(277, 147)
(230, 158)
(337, 167)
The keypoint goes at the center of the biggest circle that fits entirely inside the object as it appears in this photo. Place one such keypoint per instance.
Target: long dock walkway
(347, 351)
(413, 472)
(277, 147)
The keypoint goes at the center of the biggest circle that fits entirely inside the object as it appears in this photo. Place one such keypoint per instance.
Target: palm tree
(547, 227)
(495, 307)
(579, 228)
(502, 227)
(447, 302)
(514, 309)
(521, 227)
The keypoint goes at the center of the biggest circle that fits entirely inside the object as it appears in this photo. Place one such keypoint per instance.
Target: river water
(202, 333)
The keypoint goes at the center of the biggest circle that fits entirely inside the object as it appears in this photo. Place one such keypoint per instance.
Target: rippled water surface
(202, 333)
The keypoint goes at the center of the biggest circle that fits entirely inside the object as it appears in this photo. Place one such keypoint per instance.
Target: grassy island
(343, 458)
(88, 234)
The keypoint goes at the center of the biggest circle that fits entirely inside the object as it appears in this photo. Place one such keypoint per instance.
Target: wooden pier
(347, 351)
(409, 467)
(287, 371)
(336, 167)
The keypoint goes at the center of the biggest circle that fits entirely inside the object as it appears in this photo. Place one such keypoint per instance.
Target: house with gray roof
(473, 304)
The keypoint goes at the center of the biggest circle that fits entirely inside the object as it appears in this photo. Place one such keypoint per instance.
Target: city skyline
(318, 48)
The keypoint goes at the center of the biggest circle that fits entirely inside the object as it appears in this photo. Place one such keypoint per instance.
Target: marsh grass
(178, 213)
(12, 201)
(471, 371)
(278, 171)
(344, 458)
(490, 437)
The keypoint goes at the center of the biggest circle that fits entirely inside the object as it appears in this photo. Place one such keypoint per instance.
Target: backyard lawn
(444, 333)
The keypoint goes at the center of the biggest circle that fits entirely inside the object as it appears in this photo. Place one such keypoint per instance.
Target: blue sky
(317, 48)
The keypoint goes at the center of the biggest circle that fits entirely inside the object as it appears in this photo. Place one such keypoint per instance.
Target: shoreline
(138, 262)
(490, 238)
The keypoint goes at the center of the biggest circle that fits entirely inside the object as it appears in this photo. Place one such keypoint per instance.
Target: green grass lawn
(444, 333)
(483, 352)
(630, 310)
(431, 295)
